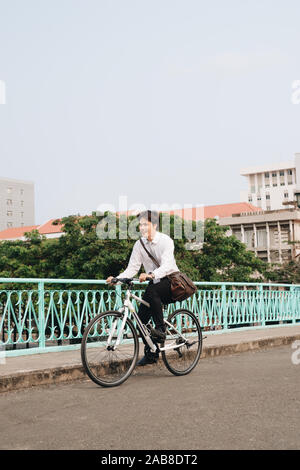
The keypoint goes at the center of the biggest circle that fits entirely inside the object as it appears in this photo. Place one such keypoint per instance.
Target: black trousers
(156, 295)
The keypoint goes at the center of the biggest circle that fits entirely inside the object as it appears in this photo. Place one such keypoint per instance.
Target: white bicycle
(110, 343)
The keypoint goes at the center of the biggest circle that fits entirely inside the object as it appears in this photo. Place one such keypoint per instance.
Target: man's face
(146, 227)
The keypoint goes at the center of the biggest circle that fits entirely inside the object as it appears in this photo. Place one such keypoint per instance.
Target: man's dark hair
(151, 216)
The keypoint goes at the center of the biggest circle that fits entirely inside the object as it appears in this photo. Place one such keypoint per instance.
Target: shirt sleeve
(167, 260)
(134, 264)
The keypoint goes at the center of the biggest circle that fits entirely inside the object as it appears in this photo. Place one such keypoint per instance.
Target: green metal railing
(45, 316)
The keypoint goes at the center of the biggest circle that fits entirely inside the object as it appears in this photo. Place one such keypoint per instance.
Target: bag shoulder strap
(149, 254)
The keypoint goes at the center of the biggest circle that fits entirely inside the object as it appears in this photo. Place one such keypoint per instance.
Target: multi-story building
(271, 187)
(16, 203)
(274, 236)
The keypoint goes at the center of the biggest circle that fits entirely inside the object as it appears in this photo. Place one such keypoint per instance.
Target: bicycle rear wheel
(184, 333)
(105, 365)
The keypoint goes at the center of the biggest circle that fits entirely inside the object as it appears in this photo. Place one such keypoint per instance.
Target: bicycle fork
(120, 333)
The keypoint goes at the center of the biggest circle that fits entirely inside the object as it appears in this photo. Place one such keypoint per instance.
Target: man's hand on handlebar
(145, 277)
(110, 279)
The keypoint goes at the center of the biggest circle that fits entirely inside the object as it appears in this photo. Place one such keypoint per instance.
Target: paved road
(244, 401)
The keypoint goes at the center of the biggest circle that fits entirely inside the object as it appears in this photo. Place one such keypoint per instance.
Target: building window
(21, 192)
(290, 172)
(9, 224)
(22, 214)
(268, 208)
(286, 195)
(281, 173)
(9, 202)
(268, 196)
(249, 198)
(274, 175)
(9, 213)
(9, 190)
(267, 175)
(267, 185)
(282, 184)
(258, 198)
(249, 238)
(261, 237)
(22, 203)
(274, 184)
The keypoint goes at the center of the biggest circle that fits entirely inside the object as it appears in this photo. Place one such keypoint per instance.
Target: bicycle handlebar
(124, 280)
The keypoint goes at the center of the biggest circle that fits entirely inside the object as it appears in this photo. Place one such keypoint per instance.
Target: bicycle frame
(128, 307)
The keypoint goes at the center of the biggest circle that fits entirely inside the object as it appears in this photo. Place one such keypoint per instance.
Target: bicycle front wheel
(183, 342)
(105, 362)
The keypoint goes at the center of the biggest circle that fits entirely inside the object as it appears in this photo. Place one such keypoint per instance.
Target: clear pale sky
(163, 101)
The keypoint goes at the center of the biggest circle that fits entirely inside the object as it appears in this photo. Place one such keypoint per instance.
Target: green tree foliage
(288, 273)
(80, 254)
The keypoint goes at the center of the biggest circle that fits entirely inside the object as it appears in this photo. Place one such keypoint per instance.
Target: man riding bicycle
(158, 291)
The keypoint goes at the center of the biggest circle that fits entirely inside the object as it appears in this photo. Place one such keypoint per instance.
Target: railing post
(224, 309)
(118, 303)
(261, 306)
(293, 303)
(41, 292)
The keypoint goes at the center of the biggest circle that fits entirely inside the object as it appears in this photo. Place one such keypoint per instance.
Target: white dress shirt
(162, 248)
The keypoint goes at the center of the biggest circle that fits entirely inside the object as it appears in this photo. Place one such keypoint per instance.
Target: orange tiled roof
(226, 210)
(209, 212)
(48, 227)
(18, 232)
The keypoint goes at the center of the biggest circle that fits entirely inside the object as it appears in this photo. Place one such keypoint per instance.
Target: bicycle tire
(172, 358)
(100, 371)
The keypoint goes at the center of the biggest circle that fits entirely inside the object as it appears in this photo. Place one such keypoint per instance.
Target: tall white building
(16, 203)
(269, 186)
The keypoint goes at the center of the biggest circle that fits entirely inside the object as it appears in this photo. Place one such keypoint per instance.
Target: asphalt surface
(242, 401)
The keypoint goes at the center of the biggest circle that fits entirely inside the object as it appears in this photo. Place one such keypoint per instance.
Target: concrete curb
(71, 373)
(253, 345)
(22, 380)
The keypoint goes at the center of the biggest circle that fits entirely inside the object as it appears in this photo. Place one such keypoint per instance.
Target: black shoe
(158, 334)
(147, 360)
